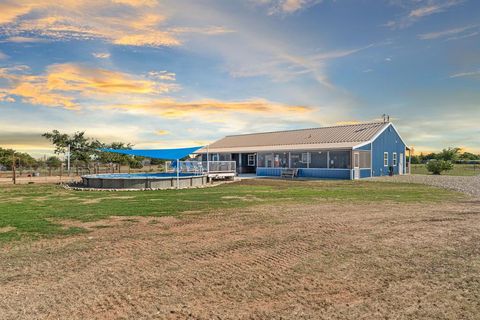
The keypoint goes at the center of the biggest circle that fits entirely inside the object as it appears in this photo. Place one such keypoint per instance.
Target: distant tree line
(84, 154)
(436, 163)
(449, 154)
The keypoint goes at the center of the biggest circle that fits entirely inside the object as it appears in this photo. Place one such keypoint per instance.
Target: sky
(165, 74)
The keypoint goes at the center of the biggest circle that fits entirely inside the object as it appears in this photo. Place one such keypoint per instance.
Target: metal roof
(336, 137)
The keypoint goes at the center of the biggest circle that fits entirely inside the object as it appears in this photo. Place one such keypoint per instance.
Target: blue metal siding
(324, 173)
(319, 173)
(389, 141)
(269, 172)
(365, 147)
(365, 173)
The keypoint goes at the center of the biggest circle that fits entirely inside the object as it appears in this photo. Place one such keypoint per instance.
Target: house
(339, 152)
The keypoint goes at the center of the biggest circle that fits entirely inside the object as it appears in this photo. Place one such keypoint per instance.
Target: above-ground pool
(143, 181)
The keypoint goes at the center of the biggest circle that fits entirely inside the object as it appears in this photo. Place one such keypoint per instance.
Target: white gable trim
(374, 137)
(406, 146)
(378, 134)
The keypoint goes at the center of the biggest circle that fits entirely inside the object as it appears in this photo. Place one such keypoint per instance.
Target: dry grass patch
(311, 261)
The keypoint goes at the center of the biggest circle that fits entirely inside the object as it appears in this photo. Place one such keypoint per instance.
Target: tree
(449, 154)
(415, 159)
(6, 158)
(156, 162)
(82, 149)
(469, 156)
(118, 158)
(22, 160)
(53, 162)
(438, 166)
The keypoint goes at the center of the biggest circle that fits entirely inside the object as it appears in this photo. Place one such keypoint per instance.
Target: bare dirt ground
(319, 261)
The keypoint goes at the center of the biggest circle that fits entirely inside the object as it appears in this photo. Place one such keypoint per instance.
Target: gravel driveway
(469, 185)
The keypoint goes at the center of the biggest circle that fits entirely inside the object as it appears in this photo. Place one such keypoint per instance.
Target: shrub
(438, 166)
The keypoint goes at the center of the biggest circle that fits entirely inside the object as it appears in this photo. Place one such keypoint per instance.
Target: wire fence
(78, 171)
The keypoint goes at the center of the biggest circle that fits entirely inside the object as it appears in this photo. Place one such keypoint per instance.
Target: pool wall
(142, 182)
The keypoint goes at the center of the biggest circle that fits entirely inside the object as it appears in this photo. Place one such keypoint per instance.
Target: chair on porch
(289, 173)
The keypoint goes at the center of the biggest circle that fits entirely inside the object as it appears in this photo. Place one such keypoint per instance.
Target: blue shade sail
(164, 154)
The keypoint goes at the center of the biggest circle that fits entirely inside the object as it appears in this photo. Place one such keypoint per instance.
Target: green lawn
(458, 170)
(30, 211)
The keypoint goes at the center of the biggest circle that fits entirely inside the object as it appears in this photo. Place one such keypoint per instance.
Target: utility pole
(13, 169)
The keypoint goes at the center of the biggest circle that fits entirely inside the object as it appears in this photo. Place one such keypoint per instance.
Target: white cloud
(285, 6)
(19, 39)
(67, 85)
(466, 74)
(162, 75)
(419, 12)
(101, 55)
(285, 66)
(450, 34)
(135, 22)
(3, 56)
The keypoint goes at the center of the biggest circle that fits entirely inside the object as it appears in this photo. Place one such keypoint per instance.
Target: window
(394, 159)
(215, 157)
(318, 159)
(340, 159)
(251, 160)
(385, 159)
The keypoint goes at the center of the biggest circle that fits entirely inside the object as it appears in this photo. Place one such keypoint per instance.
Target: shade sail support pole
(178, 174)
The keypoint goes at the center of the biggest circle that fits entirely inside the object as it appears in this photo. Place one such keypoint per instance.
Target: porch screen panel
(340, 159)
(296, 160)
(365, 160)
(225, 157)
(280, 160)
(265, 160)
(318, 159)
(261, 160)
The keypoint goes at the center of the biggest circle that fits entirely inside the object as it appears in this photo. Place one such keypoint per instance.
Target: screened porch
(328, 164)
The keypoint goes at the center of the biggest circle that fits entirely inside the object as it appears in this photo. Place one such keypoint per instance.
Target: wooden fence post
(13, 170)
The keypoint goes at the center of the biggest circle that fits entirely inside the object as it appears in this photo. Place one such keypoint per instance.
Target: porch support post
(409, 161)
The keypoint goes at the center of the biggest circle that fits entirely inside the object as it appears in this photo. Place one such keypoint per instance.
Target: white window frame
(385, 159)
(251, 160)
(394, 159)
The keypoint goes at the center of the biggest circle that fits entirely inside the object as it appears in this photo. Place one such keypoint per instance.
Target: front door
(356, 165)
(400, 164)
